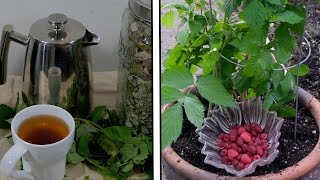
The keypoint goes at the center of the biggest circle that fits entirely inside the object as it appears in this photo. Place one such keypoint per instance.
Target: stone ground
(168, 41)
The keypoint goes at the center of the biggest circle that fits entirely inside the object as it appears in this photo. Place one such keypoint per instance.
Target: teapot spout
(90, 39)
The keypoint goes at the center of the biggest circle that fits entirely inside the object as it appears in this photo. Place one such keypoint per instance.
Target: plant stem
(89, 122)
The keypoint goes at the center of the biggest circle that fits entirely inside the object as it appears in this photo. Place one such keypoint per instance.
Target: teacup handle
(9, 161)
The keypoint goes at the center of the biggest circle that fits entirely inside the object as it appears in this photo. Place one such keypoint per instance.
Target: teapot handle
(7, 35)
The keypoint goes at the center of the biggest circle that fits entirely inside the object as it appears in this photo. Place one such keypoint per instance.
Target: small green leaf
(275, 2)
(142, 152)
(117, 133)
(268, 101)
(86, 178)
(200, 40)
(276, 78)
(212, 89)
(255, 15)
(283, 37)
(128, 151)
(99, 113)
(168, 19)
(128, 167)
(195, 27)
(182, 36)
(6, 113)
(83, 146)
(74, 158)
(194, 109)
(171, 125)
(218, 27)
(170, 94)
(304, 70)
(183, 21)
(173, 57)
(230, 6)
(289, 17)
(287, 83)
(108, 145)
(189, 1)
(209, 61)
(283, 110)
(178, 77)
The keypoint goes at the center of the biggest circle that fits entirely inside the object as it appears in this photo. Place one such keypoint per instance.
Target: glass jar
(134, 101)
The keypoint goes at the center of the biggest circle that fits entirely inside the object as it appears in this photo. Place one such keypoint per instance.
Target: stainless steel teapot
(57, 66)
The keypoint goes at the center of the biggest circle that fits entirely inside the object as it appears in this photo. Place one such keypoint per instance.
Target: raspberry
(264, 146)
(232, 137)
(233, 132)
(241, 130)
(246, 165)
(220, 136)
(232, 154)
(240, 166)
(263, 136)
(244, 148)
(247, 127)
(259, 150)
(226, 137)
(227, 145)
(234, 162)
(220, 142)
(239, 142)
(246, 137)
(258, 129)
(254, 124)
(265, 154)
(225, 160)
(252, 149)
(254, 133)
(245, 159)
(233, 127)
(256, 157)
(224, 152)
(234, 146)
(239, 157)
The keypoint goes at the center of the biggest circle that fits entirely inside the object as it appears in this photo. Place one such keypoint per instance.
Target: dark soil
(291, 152)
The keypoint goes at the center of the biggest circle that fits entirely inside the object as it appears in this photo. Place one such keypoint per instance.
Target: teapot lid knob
(57, 20)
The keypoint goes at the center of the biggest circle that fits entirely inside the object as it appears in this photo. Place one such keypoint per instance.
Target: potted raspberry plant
(244, 54)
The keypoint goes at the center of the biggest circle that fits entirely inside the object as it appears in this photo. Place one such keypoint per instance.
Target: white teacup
(40, 162)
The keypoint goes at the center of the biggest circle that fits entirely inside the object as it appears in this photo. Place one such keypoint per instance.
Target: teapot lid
(57, 29)
(141, 8)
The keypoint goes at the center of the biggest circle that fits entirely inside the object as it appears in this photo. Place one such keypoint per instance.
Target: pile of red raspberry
(243, 145)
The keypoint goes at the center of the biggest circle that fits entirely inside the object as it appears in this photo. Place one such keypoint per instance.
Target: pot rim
(297, 170)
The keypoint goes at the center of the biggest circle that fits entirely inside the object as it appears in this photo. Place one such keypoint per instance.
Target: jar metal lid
(141, 8)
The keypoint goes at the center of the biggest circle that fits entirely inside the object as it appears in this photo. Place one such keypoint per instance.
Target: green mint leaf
(209, 61)
(173, 57)
(118, 133)
(183, 21)
(255, 15)
(283, 110)
(170, 94)
(99, 113)
(178, 6)
(275, 2)
(281, 54)
(276, 78)
(182, 36)
(289, 17)
(108, 145)
(86, 178)
(171, 125)
(189, 1)
(200, 41)
(74, 158)
(268, 101)
(83, 146)
(218, 27)
(6, 113)
(195, 27)
(178, 77)
(229, 6)
(85, 130)
(168, 19)
(194, 109)
(128, 152)
(299, 10)
(127, 167)
(304, 70)
(213, 90)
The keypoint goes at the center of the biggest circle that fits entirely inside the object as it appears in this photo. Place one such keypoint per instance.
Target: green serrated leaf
(189, 1)
(255, 15)
(118, 133)
(168, 19)
(74, 158)
(289, 17)
(194, 109)
(178, 77)
(173, 58)
(218, 27)
(276, 78)
(182, 36)
(230, 6)
(303, 70)
(200, 41)
(283, 110)
(170, 94)
(287, 83)
(209, 61)
(281, 54)
(268, 101)
(183, 21)
(83, 146)
(212, 89)
(108, 145)
(285, 40)
(127, 167)
(171, 125)
(128, 152)
(142, 153)
(276, 2)
(195, 27)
